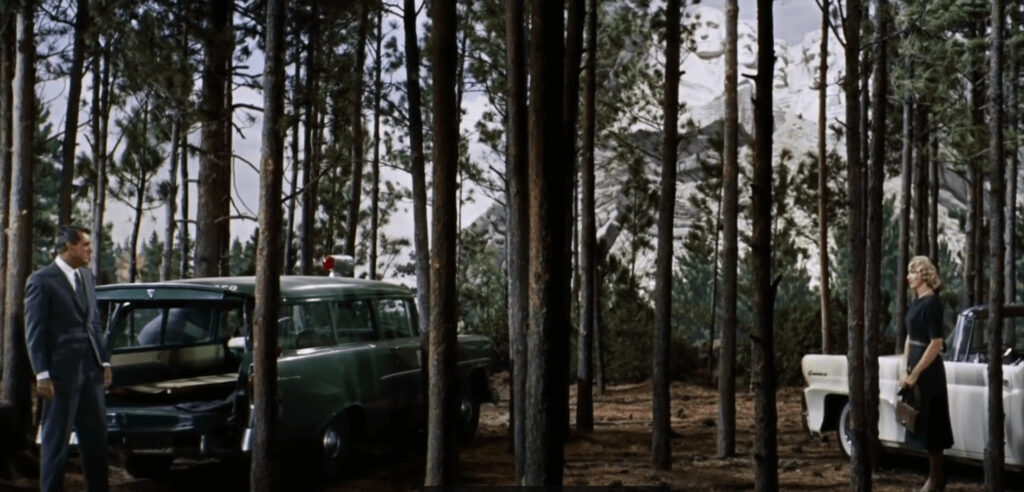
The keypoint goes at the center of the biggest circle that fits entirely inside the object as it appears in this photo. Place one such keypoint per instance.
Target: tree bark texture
(171, 200)
(921, 159)
(933, 197)
(7, 56)
(101, 125)
(293, 200)
(214, 206)
(730, 241)
(67, 170)
(588, 233)
(570, 116)
(875, 218)
(975, 265)
(352, 219)
(823, 255)
(419, 180)
(995, 444)
(375, 171)
(17, 373)
(1013, 166)
(903, 256)
(185, 242)
(441, 452)
(860, 476)
(517, 178)
(550, 191)
(265, 467)
(766, 457)
(310, 163)
(661, 434)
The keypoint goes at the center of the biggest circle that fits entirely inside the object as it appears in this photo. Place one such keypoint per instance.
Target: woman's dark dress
(933, 430)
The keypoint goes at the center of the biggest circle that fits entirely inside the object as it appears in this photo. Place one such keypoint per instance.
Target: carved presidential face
(746, 45)
(781, 74)
(811, 54)
(707, 28)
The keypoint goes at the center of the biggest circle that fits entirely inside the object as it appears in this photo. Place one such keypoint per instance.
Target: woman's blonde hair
(926, 270)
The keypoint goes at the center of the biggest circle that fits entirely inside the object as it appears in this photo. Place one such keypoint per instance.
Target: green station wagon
(349, 370)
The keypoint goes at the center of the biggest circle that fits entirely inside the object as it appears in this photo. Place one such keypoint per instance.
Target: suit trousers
(78, 405)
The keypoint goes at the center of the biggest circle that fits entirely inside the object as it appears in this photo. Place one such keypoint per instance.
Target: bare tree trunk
(876, 178)
(264, 470)
(441, 452)
(212, 218)
(297, 91)
(310, 165)
(766, 457)
(375, 193)
(933, 197)
(588, 234)
(67, 170)
(184, 207)
(903, 256)
(1013, 122)
(995, 444)
(101, 125)
(860, 476)
(921, 159)
(550, 181)
(517, 178)
(570, 114)
(352, 220)
(975, 265)
(170, 203)
(661, 433)
(419, 180)
(823, 256)
(7, 55)
(17, 374)
(730, 241)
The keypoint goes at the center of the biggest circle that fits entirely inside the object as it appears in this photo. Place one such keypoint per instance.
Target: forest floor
(616, 454)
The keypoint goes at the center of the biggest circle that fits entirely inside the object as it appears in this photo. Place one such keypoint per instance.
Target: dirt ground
(616, 454)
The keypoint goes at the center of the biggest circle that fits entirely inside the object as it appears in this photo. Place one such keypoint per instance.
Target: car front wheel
(469, 418)
(844, 432)
(335, 445)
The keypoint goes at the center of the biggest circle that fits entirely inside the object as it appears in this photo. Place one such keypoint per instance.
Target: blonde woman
(925, 372)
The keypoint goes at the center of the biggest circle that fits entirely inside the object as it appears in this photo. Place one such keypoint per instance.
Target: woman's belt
(915, 342)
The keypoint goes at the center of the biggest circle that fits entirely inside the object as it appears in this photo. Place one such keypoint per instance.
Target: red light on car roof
(329, 263)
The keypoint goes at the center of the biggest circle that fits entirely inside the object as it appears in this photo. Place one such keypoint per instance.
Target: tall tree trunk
(310, 164)
(933, 197)
(550, 181)
(352, 220)
(419, 180)
(67, 170)
(518, 213)
(17, 375)
(183, 168)
(570, 115)
(860, 476)
(441, 451)
(588, 233)
(975, 265)
(264, 469)
(903, 256)
(661, 433)
(766, 457)
(1013, 122)
(823, 256)
(297, 91)
(100, 125)
(995, 447)
(375, 172)
(921, 159)
(171, 198)
(876, 178)
(7, 55)
(212, 217)
(730, 241)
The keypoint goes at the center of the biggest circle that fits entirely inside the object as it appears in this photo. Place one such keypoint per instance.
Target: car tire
(335, 444)
(147, 466)
(844, 434)
(469, 418)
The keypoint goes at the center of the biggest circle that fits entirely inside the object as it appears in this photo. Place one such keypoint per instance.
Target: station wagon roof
(292, 287)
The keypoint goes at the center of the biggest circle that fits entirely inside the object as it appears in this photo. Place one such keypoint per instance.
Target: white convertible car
(826, 395)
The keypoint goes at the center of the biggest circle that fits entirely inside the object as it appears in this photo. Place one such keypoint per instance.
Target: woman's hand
(909, 381)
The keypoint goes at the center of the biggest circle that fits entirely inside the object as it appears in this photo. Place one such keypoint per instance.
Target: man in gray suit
(65, 344)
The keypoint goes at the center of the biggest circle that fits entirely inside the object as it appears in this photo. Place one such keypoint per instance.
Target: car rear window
(138, 325)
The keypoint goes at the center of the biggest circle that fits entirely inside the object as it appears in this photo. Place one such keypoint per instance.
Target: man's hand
(108, 376)
(45, 388)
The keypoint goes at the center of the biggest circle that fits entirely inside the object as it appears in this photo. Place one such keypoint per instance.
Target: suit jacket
(59, 330)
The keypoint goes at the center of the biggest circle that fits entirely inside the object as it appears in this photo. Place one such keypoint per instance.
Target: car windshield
(156, 324)
(969, 341)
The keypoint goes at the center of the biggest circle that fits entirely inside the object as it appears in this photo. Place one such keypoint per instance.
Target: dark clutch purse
(906, 413)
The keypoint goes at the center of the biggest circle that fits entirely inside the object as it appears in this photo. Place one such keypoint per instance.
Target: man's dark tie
(80, 290)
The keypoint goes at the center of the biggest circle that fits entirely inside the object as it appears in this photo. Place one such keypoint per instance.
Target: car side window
(394, 318)
(352, 321)
(305, 326)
